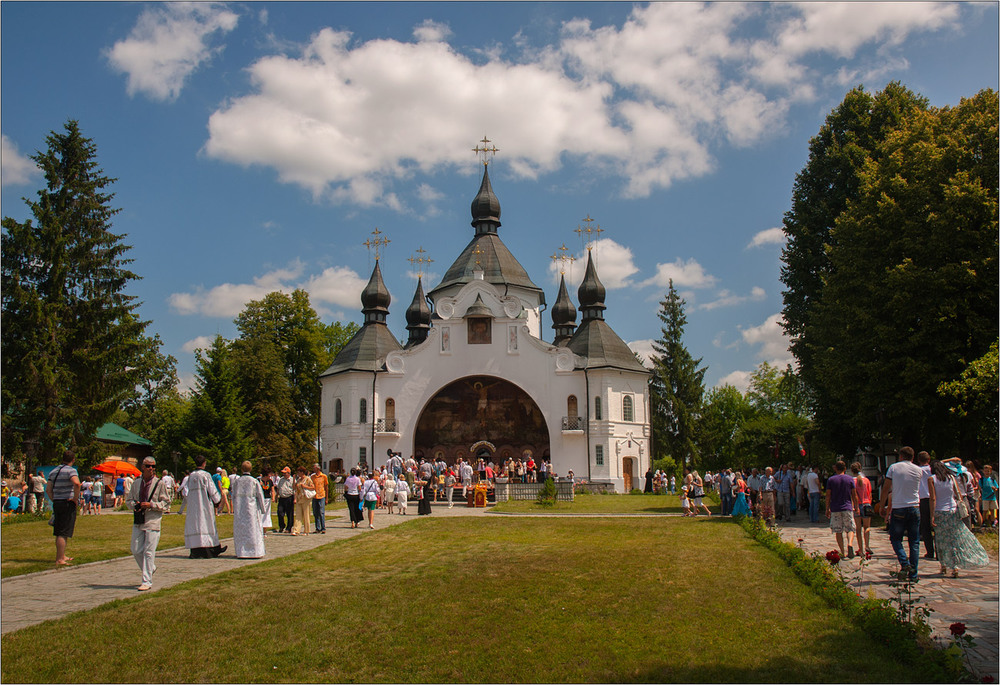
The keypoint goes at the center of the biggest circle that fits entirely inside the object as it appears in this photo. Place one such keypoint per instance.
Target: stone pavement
(972, 598)
(28, 599)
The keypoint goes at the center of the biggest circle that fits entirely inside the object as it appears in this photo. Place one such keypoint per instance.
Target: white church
(475, 378)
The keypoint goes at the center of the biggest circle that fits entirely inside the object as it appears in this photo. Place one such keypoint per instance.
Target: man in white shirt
(813, 489)
(926, 530)
(901, 502)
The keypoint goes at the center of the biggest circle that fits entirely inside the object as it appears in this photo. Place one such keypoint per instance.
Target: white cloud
(738, 379)
(186, 383)
(644, 348)
(727, 299)
(337, 285)
(649, 100)
(168, 43)
(771, 339)
(770, 236)
(17, 169)
(614, 263)
(685, 274)
(202, 342)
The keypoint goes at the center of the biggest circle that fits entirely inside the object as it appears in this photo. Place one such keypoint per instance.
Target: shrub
(547, 493)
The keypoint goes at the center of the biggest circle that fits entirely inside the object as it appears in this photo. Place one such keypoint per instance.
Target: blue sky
(258, 145)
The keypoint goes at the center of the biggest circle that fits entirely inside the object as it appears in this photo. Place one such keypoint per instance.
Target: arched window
(627, 414)
(338, 412)
(571, 407)
(597, 408)
(363, 411)
(390, 409)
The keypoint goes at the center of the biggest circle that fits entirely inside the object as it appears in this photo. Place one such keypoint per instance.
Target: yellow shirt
(319, 484)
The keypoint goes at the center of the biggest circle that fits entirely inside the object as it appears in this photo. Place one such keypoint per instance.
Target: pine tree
(217, 420)
(677, 385)
(71, 335)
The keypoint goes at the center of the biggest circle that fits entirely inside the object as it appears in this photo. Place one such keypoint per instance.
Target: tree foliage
(677, 385)
(911, 296)
(73, 345)
(973, 397)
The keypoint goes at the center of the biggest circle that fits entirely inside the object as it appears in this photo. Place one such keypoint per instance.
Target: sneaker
(144, 587)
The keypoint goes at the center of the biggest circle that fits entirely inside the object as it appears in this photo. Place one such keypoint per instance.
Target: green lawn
(600, 504)
(30, 547)
(495, 599)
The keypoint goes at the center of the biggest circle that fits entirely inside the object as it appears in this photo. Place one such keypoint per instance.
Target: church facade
(475, 379)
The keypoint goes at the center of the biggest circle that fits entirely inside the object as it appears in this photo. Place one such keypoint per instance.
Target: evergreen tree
(217, 420)
(72, 341)
(676, 387)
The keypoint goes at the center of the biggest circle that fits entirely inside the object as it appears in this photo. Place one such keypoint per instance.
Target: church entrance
(628, 473)
(480, 416)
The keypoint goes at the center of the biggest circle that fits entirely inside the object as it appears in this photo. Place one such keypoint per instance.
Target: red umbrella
(117, 467)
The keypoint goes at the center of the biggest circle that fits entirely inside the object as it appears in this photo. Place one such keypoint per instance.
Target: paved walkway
(972, 598)
(28, 600)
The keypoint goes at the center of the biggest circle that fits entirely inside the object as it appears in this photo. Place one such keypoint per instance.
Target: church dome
(375, 296)
(486, 205)
(591, 293)
(418, 313)
(563, 311)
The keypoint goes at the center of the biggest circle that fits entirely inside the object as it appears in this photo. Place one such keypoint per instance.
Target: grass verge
(477, 600)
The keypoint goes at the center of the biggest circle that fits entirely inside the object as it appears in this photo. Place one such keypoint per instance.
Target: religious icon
(446, 339)
(512, 338)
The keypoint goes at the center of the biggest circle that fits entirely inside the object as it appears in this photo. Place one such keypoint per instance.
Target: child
(685, 502)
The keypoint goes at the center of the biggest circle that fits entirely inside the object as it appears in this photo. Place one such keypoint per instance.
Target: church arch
(474, 410)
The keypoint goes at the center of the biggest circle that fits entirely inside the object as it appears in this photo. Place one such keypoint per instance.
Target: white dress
(248, 505)
(199, 526)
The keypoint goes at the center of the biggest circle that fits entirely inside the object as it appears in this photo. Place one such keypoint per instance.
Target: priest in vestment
(203, 497)
(248, 508)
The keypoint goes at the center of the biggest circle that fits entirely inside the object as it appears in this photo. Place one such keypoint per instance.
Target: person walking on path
(267, 487)
(182, 490)
(988, 498)
(285, 487)
(863, 519)
(38, 484)
(813, 489)
(923, 460)
(248, 509)
(200, 535)
(320, 485)
(389, 491)
(352, 496)
(841, 506)
(402, 494)
(956, 547)
(304, 492)
(149, 500)
(119, 491)
(369, 497)
(901, 502)
(64, 491)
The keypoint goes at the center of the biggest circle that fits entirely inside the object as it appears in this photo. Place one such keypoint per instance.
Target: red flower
(868, 555)
(833, 556)
(987, 679)
(957, 628)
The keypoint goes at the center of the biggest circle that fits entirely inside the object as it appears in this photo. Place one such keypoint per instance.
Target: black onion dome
(375, 296)
(418, 313)
(563, 311)
(486, 205)
(591, 293)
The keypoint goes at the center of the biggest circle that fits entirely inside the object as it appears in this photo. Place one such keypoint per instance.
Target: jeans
(906, 520)
(814, 507)
(727, 503)
(781, 504)
(319, 513)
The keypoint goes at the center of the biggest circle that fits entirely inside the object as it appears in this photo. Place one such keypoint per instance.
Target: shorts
(866, 511)
(370, 505)
(842, 522)
(989, 505)
(697, 502)
(64, 515)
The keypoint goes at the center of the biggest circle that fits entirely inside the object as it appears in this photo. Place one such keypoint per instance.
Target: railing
(574, 423)
(518, 491)
(386, 426)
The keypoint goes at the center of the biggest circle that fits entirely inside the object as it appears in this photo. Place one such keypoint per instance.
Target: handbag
(309, 494)
(963, 507)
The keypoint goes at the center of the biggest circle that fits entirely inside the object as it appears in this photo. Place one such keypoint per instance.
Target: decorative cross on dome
(486, 152)
(589, 230)
(478, 252)
(563, 258)
(376, 243)
(420, 261)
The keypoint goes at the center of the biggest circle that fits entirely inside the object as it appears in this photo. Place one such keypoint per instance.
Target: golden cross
(376, 243)
(580, 230)
(486, 152)
(564, 258)
(478, 252)
(421, 260)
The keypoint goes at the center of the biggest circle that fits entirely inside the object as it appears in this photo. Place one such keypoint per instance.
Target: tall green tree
(217, 421)
(72, 340)
(911, 294)
(724, 410)
(271, 415)
(972, 397)
(850, 138)
(676, 386)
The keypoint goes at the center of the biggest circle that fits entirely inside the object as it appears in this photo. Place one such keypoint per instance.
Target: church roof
(602, 347)
(365, 351)
(499, 266)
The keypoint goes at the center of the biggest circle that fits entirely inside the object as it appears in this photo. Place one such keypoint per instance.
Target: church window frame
(598, 416)
(572, 407)
(599, 455)
(628, 409)
(363, 410)
(338, 412)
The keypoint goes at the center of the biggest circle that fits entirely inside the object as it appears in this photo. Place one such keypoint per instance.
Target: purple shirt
(840, 487)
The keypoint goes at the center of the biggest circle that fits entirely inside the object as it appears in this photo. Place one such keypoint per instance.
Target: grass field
(30, 547)
(599, 504)
(495, 599)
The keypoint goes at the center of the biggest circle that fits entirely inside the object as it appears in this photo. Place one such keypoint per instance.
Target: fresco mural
(485, 410)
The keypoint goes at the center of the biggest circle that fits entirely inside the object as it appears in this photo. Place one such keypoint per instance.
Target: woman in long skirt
(267, 488)
(352, 495)
(303, 502)
(402, 493)
(954, 545)
(741, 507)
(424, 506)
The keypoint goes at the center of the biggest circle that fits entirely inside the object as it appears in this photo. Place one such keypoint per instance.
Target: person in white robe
(248, 507)
(402, 493)
(203, 498)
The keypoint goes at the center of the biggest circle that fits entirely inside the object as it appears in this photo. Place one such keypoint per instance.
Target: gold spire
(377, 243)
(486, 152)
(420, 261)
